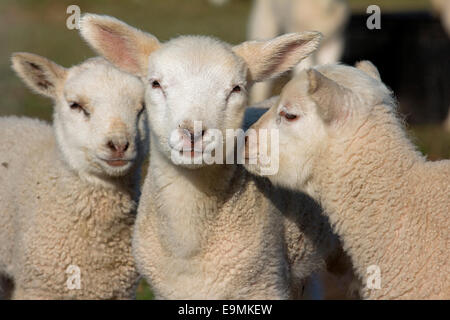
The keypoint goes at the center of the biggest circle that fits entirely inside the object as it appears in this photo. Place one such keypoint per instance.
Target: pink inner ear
(117, 49)
(285, 59)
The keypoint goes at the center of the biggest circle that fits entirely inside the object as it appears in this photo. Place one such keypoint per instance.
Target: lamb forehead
(197, 55)
(98, 78)
(347, 76)
(368, 89)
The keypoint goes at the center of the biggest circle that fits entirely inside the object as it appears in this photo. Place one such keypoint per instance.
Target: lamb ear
(369, 68)
(269, 59)
(40, 74)
(124, 46)
(331, 98)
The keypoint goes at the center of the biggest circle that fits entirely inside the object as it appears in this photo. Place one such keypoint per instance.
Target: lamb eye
(75, 106)
(78, 107)
(288, 116)
(156, 85)
(236, 89)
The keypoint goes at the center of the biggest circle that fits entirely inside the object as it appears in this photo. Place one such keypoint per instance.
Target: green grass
(40, 27)
(143, 291)
(432, 141)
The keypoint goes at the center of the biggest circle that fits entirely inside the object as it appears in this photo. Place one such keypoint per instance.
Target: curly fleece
(51, 219)
(391, 208)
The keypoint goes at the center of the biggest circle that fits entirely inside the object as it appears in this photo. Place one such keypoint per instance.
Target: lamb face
(196, 87)
(317, 108)
(194, 103)
(99, 119)
(300, 134)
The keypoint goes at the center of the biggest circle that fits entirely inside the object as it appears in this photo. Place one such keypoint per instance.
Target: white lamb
(68, 193)
(342, 142)
(211, 231)
(270, 18)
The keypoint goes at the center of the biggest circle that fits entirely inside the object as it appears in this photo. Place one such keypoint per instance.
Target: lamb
(270, 18)
(342, 143)
(211, 231)
(69, 192)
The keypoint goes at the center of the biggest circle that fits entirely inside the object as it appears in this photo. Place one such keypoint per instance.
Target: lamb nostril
(190, 134)
(111, 145)
(196, 137)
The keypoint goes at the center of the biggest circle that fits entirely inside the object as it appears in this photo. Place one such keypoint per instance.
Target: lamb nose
(194, 136)
(118, 147)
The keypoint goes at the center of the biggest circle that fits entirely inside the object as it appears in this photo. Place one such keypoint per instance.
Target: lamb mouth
(116, 163)
(191, 153)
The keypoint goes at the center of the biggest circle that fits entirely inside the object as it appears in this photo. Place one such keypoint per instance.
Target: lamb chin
(118, 171)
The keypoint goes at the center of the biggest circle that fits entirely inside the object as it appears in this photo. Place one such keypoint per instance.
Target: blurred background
(411, 50)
